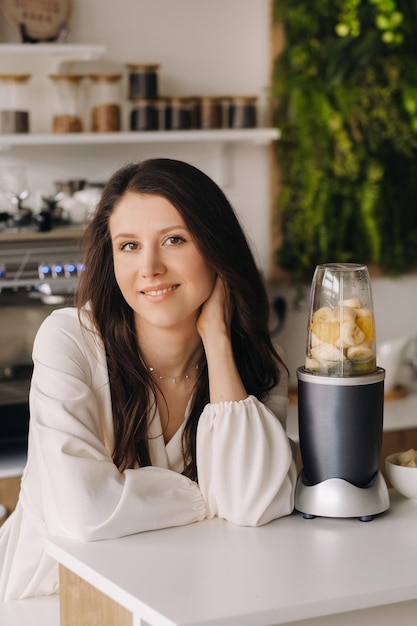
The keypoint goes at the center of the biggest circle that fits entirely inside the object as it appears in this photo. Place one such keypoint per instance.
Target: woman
(159, 400)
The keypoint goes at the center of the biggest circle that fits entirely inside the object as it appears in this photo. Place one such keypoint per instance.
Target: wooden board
(81, 604)
(41, 20)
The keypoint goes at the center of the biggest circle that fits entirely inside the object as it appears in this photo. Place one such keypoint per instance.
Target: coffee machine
(341, 400)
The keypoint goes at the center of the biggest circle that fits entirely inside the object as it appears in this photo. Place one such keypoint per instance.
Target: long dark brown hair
(219, 237)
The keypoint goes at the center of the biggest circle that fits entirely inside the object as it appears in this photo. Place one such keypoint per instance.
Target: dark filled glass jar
(144, 115)
(142, 81)
(211, 112)
(178, 113)
(195, 112)
(242, 112)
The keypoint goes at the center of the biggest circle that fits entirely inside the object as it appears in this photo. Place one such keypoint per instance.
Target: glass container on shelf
(142, 81)
(105, 106)
(144, 114)
(242, 112)
(14, 110)
(68, 107)
(211, 112)
(178, 113)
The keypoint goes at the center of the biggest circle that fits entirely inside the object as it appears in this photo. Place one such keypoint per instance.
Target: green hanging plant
(345, 98)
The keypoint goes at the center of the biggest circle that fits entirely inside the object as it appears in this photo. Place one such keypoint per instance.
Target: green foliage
(345, 96)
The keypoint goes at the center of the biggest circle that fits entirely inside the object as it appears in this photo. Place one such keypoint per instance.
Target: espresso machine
(341, 400)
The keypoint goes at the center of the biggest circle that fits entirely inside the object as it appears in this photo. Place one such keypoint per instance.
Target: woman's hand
(213, 326)
(216, 313)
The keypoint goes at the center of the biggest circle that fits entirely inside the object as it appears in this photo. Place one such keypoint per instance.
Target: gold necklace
(174, 379)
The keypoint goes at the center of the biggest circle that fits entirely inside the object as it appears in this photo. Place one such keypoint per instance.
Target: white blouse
(71, 487)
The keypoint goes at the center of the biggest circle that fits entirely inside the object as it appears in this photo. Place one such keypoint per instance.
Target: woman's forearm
(224, 379)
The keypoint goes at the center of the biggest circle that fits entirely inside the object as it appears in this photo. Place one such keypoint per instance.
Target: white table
(42, 611)
(214, 573)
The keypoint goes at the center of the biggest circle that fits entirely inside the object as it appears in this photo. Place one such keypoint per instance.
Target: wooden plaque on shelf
(38, 20)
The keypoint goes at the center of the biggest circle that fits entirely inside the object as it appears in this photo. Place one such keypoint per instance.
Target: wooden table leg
(81, 604)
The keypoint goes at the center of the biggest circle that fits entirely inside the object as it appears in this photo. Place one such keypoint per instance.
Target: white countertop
(214, 573)
(42, 611)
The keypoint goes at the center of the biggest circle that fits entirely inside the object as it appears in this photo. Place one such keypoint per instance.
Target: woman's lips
(159, 291)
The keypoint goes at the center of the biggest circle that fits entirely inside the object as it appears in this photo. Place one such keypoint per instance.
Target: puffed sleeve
(83, 493)
(245, 463)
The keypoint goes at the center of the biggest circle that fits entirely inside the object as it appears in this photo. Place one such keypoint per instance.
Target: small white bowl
(403, 479)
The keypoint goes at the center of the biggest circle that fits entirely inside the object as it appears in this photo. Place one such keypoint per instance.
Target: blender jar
(341, 327)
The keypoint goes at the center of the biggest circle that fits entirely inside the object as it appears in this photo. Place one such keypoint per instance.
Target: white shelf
(260, 136)
(71, 51)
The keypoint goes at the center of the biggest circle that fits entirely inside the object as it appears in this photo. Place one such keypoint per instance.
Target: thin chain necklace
(175, 379)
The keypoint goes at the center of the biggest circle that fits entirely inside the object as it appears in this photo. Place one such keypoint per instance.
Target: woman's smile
(156, 292)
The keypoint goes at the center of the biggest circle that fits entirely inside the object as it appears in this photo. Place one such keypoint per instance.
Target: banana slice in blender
(365, 321)
(326, 352)
(344, 314)
(324, 314)
(361, 352)
(355, 303)
(350, 334)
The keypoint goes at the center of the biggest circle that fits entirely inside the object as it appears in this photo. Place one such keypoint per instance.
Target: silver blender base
(336, 497)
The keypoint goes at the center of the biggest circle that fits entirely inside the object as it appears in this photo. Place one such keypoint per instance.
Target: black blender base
(336, 497)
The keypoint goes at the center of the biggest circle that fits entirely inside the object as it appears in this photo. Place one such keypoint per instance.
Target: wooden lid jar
(211, 112)
(105, 105)
(178, 113)
(68, 103)
(142, 80)
(144, 115)
(14, 110)
(242, 111)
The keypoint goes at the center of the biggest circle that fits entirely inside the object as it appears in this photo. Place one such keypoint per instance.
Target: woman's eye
(129, 246)
(175, 240)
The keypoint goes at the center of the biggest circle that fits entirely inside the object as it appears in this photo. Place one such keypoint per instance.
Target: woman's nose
(151, 263)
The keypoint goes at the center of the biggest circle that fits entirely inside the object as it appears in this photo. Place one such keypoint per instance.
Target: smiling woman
(158, 263)
(160, 400)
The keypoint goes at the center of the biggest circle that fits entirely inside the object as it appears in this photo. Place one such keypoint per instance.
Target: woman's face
(158, 267)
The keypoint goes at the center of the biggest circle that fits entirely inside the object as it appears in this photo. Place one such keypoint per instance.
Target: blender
(341, 400)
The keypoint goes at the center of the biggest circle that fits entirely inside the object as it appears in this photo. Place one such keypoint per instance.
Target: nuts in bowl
(402, 472)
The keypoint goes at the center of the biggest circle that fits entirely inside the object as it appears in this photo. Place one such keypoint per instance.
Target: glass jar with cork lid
(68, 106)
(242, 112)
(14, 110)
(105, 106)
(211, 112)
(178, 113)
(142, 81)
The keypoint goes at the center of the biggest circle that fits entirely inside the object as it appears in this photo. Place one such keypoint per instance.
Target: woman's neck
(170, 352)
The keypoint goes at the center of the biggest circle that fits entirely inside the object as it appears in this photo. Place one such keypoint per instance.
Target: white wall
(206, 48)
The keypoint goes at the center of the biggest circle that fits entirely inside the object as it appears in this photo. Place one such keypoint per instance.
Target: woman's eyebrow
(163, 231)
